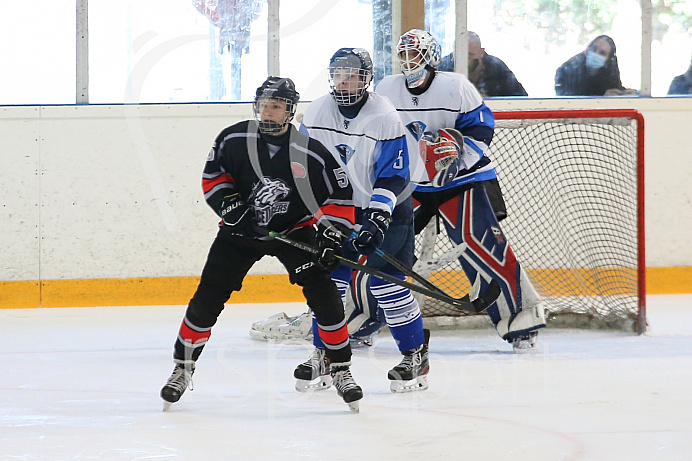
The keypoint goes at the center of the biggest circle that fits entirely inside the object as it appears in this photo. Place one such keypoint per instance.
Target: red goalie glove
(441, 152)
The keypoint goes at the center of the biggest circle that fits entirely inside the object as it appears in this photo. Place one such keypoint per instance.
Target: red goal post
(573, 181)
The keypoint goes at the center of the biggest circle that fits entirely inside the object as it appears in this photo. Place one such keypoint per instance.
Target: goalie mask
(419, 54)
(350, 74)
(275, 104)
(441, 153)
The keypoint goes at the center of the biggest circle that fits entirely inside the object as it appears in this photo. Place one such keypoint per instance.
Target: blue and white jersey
(371, 145)
(451, 101)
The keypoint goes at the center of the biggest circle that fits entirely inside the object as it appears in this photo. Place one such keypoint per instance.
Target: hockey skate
(179, 380)
(411, 374)
(313, 373)
(284, 329)
(526, 343)
(346, 386)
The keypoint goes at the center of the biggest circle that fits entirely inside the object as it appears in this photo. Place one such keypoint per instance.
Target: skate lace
(411, 360)
(316, 360)
(343, 380)
(180, 379)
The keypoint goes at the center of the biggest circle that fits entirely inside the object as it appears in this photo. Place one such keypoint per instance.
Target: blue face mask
(595, 60)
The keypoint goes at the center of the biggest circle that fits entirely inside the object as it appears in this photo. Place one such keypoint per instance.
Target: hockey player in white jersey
(449, 129)
(364, 133)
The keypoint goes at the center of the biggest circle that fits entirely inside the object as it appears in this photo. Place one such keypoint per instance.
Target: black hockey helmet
(347, 62)
(276, 88)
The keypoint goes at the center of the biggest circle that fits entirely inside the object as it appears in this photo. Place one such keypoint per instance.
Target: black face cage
(349, 98)
(269, 127)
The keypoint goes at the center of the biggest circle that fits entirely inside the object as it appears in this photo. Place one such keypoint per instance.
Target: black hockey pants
(230, 258)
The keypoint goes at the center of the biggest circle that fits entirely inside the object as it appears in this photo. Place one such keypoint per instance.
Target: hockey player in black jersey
(263, 174)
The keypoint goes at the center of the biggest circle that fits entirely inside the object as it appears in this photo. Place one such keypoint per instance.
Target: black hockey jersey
(289, 185)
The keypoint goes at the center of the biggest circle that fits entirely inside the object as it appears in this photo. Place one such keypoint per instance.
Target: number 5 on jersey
(341, 177)
(399, 163)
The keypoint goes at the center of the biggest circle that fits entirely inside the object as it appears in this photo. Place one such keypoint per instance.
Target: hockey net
(573, 182)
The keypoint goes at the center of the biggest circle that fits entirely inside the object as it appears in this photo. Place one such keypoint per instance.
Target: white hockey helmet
(350, 74)
(417, 49)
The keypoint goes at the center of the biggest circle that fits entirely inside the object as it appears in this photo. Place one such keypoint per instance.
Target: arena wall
(102, 205)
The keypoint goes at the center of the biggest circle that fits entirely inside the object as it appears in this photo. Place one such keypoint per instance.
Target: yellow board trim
(137, 292)
(260, 288)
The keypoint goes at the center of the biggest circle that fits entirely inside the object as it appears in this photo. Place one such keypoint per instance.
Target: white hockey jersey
(371, 145)
(450, 102)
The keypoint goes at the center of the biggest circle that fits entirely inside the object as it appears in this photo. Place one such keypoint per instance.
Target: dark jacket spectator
(489, 74)
(682, 84)
(593, 72)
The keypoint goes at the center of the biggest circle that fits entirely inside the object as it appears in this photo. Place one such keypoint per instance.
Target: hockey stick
(413, 274)
(408, 271)
(477, 305)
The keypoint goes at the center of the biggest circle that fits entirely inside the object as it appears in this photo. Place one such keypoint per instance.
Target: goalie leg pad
(470, 219)
(365, 317)
(529, 319)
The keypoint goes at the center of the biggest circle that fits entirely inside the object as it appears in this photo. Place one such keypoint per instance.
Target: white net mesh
(573, 198)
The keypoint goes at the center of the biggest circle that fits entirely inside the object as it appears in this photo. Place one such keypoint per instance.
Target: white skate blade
(418, 384)
(354, 406)
(320, 384)
(166, 405)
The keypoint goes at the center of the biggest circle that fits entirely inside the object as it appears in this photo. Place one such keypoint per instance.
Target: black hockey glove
(236, 214)
(372, 233)
(329, 241)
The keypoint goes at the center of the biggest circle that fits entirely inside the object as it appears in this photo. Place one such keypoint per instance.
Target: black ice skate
(180, 379)
(346, 386)
(411, 374)
(526, 343)
(313, 373)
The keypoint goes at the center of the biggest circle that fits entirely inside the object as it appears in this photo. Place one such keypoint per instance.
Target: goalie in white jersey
(363, 132)
(449, 129)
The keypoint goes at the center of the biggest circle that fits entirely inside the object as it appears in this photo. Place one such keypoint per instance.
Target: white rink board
(19, 198)
(119, 192)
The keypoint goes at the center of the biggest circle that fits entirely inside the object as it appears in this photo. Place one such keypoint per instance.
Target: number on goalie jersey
(471, 204)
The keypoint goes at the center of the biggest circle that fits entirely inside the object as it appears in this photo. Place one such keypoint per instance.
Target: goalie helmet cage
(573, 181)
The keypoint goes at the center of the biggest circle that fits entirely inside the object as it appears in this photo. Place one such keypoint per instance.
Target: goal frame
(635, 120)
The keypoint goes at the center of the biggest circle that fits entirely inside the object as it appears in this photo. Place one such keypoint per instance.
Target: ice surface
(84, 383)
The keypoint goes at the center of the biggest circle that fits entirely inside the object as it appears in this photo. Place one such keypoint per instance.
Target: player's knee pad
(206, 306)
(320, 292)
(397, 303)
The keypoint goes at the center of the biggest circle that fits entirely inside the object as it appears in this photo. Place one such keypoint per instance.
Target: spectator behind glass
(593, 72)
(682, 84)
(489, 74)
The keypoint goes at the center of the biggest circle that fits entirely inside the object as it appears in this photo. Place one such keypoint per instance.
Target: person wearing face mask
(489, 74)
(593, 72)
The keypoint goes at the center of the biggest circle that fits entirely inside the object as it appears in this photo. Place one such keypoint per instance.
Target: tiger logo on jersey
(417, 129)
(265, 199)
(345, 152)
